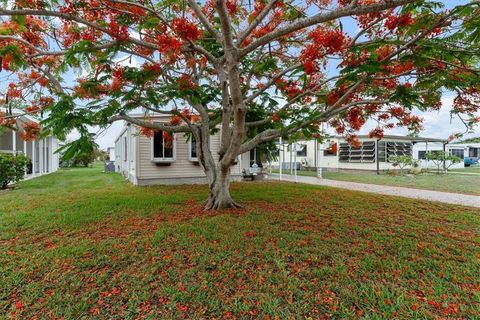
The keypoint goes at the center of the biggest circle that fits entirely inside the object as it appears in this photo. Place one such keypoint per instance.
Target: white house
(302, 153)
(373, 154)
(40, 152)
(111, 153)
(157, 160)
(470, 152)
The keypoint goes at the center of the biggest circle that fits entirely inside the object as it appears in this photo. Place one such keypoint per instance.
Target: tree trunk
(219, 196)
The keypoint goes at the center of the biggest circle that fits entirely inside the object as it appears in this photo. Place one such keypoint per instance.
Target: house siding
(182, 168)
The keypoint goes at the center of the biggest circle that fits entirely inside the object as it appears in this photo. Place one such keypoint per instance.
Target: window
(364, 153)
(125, 148)
(301, 150)
(457, 152)
(422, 154)
(254, 158)
(163, 146)
(395, 149)
(474, 152)
(193, 149)
(331, 151)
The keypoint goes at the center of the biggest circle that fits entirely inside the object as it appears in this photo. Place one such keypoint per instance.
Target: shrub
(451, 160)
(402, 162)
(12, 168)
(439, 158)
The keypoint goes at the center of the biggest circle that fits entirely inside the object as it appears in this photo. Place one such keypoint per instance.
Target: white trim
(125, 148)
(164, 160)
(33, 158)
(40, 156)
(14, 141)
(190, 158)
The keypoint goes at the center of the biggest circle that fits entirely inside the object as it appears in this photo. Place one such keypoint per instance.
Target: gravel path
(445, 197)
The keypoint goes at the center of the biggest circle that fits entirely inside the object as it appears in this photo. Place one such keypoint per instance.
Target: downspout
(377, 156)
(280, 152)
(445, 153)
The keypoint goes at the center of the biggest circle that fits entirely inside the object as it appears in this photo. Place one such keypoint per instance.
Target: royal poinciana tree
(211, 64)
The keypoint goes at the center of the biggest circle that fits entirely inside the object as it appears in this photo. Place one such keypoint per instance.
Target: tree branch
(256, 22)
(320, 18)
(150, 125)
(271, 82)
(204, 20)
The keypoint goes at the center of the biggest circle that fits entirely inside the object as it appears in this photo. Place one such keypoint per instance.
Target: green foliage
(82, 151)
(12, 168)
(440, 158)
(471, 140)
(266, 151)
(403, 161)
(451, 160)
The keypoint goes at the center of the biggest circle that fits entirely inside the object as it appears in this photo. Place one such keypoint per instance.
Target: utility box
(110, 166)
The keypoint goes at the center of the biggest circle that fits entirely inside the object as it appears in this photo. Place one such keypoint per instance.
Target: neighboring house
(303, 153)
(374, 154)
(111, 153)
(157, 160)
(40, 152)
(469, 152)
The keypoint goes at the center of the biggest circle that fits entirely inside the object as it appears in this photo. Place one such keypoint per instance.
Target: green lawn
(471, 169)
(81, 244)
(307, 173)
(466, 184)
(457, 183)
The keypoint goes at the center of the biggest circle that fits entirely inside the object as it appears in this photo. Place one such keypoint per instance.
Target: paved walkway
(445, 197)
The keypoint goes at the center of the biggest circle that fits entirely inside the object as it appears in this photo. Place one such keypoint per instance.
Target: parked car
(468, 161)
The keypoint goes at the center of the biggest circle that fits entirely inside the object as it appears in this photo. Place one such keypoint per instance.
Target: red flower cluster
(168, 139)
(152, 67)
(289, 88)
(147, 132)
(42, 81)
(116, 31)
(276, 117)
(185, 83)
(168, 44)
(175, 120)
(186, 29)
(393, 22)
(352, 139)
(6, 122)
(399, 67)
(31, 131)
(232, 7)
(117, 79)
(13, 91)
(330, 40)
(33, 109)
(324, 42)
(377, 132)
(334, 148)
(355, 118)
(335, 95)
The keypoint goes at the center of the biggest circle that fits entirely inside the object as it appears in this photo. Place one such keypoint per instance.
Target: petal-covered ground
(84, 244)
